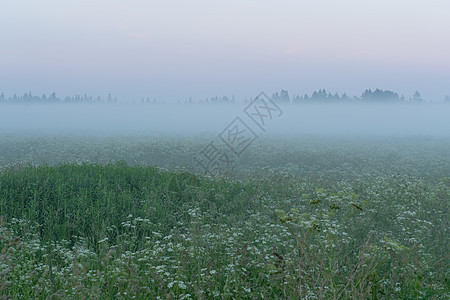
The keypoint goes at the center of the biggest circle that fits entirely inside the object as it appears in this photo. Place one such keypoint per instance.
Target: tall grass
(105, 231)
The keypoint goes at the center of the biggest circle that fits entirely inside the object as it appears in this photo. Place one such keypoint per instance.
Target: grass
(332, 219)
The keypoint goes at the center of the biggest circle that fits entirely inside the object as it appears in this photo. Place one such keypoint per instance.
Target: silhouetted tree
(275, 97)
(284, 96)
(320, 95)
(344, 97)
(336, 96)
(297, 99)
(53, 96)
(417, 97)
(379, 95)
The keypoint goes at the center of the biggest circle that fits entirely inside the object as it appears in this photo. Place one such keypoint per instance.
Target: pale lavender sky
(170, 50)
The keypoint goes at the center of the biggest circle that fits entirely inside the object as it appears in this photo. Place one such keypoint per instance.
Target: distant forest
(320, 96)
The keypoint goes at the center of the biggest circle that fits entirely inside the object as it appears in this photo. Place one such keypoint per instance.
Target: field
(300, 217)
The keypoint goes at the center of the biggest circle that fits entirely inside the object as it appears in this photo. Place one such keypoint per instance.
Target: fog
(428, 119)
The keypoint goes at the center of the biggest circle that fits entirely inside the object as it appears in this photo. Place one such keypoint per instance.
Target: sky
(172, 50)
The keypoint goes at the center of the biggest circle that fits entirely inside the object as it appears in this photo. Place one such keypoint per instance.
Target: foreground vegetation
(316, 220)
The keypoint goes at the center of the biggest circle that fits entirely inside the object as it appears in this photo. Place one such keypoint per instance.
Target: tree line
(320, 96)
(52, 98)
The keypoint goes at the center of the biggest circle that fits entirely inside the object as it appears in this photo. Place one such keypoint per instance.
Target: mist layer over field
(93, 193)
(161, 119)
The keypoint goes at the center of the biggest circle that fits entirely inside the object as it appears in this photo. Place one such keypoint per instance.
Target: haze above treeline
(320, 96)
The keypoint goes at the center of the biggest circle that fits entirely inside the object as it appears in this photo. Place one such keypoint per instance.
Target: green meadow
(298, 218)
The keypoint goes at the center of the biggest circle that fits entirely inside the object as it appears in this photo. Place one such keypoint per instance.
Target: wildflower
(182, 285)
